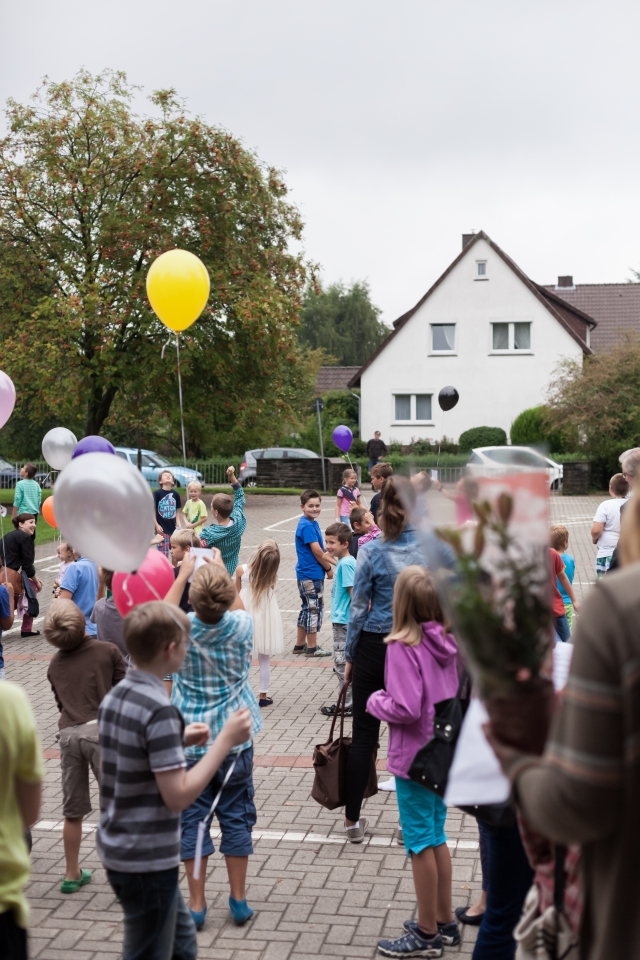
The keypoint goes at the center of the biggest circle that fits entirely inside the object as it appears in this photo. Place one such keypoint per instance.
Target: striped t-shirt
(141, 733)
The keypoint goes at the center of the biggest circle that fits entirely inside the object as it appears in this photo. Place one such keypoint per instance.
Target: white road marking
(288, 836)
(297, 517)
(54, 556)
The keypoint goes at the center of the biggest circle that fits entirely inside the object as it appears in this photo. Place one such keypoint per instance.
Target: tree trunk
(98, 408)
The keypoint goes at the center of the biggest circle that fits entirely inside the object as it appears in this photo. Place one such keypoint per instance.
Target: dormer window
(481, 270)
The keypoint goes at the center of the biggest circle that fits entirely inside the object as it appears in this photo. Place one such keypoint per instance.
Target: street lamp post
(319, 405)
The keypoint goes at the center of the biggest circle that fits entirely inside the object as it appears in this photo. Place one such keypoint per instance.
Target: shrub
(531, 428)
(482, 437)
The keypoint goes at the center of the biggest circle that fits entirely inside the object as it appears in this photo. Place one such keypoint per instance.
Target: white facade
(469, 310)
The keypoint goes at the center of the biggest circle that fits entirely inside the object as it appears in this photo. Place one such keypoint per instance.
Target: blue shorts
(422, 816)
(236, 812)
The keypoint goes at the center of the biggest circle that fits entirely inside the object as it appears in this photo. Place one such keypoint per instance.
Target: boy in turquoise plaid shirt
(230, 523)
(27, 495)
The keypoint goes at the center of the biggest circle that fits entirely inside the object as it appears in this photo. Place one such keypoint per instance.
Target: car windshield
(157, 460)
(517, 458)
(4, 465)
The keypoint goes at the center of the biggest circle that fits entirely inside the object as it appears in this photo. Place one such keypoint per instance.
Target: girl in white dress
(256, 581)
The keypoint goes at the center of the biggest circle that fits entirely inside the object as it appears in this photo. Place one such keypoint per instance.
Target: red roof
(616, 307)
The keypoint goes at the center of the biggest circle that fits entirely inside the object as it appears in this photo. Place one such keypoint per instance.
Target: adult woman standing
(379, 563)
(17, 554)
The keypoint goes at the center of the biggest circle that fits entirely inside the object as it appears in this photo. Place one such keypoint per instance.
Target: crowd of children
(169, 756)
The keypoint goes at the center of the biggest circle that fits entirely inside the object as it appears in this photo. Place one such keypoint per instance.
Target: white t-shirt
(609, 513)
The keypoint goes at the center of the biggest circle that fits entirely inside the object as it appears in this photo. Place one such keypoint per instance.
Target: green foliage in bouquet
(503, 619)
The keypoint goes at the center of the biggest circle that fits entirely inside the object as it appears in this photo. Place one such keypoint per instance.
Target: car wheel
(252, 482)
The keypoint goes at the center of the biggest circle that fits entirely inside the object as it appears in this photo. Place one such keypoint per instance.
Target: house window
(511, 337)
(413, 407)
(481, 268)
(423, 406)
(403, 406)
(443, 337)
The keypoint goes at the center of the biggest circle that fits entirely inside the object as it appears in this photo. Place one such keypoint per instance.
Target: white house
(485, 328)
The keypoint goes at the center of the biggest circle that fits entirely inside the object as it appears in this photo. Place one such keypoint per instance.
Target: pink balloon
(7, 397)
(151, 581)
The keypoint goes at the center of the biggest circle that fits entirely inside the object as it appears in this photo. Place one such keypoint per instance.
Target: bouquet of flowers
(497, 591)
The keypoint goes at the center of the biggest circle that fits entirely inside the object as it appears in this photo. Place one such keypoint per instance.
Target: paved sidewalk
(314, 895)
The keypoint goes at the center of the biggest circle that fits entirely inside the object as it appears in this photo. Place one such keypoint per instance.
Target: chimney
(466, 239)
(565, 282)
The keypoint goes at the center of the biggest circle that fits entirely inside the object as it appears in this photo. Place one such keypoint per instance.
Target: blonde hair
(415, 601)
(185, 538)
(150, 627)
(211, 593)
(349, 473)
(64, 625)
(264, 566)
(559, 537)
(194, 483)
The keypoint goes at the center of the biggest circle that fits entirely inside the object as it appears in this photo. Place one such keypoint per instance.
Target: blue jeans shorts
(236, 812)
(312, 596)
(422, 816)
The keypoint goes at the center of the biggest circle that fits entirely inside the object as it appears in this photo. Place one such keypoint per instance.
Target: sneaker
(450, 932)
(388, 786)
(328, 711)
(412, 945)
(399, 834)
(357, 834)
(315, 652)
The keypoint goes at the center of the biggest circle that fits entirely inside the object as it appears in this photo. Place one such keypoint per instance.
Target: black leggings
(367, 677)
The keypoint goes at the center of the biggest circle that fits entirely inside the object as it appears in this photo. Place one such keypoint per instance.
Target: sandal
(72, 886)
(265, 702)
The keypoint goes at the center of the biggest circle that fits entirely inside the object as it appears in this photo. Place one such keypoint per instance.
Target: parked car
(153, 464)
(249, 465)
(487, 460)
(10, 474)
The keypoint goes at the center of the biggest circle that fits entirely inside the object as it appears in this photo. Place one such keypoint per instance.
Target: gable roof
(568, 316)
(334, 378)
(616, 307)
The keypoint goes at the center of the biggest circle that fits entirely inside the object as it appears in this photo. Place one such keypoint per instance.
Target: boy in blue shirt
(339, 538)
(560, 543)
(310, 571)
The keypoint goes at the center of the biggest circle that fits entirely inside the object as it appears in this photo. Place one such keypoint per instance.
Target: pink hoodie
(416, 678)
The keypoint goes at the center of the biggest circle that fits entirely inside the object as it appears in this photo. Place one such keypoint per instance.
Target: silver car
(487, 460)
(249, 465)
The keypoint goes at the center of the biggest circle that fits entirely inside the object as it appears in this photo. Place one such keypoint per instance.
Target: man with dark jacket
(376, 450)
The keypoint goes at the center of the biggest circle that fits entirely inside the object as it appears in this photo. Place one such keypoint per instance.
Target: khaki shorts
(78, 751)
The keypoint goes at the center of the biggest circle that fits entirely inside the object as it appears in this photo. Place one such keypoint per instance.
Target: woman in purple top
(420, 670)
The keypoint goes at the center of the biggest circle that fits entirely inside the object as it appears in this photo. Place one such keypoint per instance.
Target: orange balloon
(47, 512)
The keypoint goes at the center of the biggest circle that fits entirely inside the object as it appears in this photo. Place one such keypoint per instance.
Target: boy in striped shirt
(145, 783)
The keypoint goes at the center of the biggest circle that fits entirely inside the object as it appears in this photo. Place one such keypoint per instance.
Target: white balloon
(104, 508)
(7, 397)
(58, 446)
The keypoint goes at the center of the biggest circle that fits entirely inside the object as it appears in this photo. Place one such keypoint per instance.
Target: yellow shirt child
(195, 510)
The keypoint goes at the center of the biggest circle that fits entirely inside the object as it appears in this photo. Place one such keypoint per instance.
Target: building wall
(493, 388)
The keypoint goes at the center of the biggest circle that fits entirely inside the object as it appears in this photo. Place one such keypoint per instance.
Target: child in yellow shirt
(195, 510)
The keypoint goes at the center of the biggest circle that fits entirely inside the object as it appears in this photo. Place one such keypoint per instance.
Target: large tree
(90, 194)
(343, 321)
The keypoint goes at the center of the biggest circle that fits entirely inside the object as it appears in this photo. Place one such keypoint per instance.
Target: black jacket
(17, 551)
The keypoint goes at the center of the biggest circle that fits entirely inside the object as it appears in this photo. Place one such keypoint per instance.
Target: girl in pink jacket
(420, 671)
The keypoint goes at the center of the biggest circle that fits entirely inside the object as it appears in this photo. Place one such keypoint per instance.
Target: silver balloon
(58, 446)
(104, 508)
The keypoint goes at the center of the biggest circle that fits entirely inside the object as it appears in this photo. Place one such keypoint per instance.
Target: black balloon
(448, 397)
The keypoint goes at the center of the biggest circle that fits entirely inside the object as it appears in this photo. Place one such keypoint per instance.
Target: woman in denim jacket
(379, 563)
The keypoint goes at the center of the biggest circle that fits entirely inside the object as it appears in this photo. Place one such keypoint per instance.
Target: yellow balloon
(178, 288)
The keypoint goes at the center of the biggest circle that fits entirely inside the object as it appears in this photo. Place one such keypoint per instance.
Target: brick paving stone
(311, 899)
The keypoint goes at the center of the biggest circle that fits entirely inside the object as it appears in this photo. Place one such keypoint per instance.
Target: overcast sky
(400, 125)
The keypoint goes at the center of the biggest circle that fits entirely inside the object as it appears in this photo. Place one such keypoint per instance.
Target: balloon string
(125, 589)
(184, 448)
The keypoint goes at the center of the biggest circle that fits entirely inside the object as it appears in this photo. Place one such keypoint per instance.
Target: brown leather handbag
(330, 765)
(15, 579)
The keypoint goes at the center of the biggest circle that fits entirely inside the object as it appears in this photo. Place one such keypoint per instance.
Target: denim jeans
(562, 628)
(157, 925)
(509, 879)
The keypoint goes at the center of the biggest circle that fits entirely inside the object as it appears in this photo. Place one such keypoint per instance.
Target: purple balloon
(93, 444)
(343, 438)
